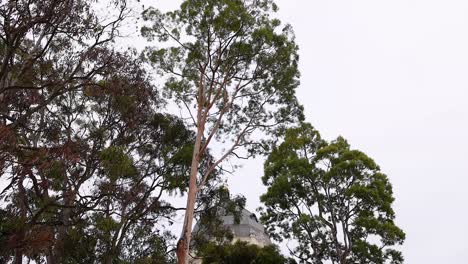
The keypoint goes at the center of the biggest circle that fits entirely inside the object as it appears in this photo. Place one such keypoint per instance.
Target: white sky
(391, 77)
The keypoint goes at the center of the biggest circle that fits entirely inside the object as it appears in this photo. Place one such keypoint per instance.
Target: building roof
(248, 229)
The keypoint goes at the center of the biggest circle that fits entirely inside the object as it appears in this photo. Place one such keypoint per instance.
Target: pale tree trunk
(183, 246)
(204, 105)
(184, 243)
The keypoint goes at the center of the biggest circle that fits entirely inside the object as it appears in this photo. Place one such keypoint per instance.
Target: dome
(248, 229)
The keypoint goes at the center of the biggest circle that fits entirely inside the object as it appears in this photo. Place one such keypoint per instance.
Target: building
(248, 230)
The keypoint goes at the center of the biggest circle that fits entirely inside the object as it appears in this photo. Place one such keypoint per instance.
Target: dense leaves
(231, 59)
(241, 252)
(331, 199)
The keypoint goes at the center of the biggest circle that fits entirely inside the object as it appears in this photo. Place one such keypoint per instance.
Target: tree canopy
(241, 252)
(333, 200)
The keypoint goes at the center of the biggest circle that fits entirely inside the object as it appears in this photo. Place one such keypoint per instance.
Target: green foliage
(216, 203)
(332, 199)
(85, 253)
(116, 163)
(241, 252)
(55, 171)
(233, 60)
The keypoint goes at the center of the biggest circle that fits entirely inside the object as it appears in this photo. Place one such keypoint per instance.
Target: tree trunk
(18, 256)
(108, 259)
(183, 246)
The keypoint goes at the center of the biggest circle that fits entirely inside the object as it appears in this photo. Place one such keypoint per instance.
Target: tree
(234, 70)
(49, 49)
(85, 152)
(330, 198)
(241, 252)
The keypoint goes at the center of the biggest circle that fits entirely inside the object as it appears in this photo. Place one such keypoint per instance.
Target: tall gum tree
(233, 68)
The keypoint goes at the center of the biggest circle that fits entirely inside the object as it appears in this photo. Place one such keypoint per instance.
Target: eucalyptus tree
(333, 200)
(85, 153)
(49, 49)
(233, 68)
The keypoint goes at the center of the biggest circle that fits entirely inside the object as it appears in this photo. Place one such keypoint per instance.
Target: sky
(391, 77)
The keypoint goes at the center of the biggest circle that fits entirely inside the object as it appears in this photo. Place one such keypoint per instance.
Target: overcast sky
(392, 78)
